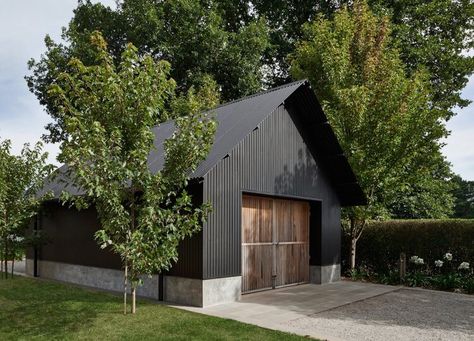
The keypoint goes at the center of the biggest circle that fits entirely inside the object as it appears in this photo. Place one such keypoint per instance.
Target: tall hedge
(382, 242)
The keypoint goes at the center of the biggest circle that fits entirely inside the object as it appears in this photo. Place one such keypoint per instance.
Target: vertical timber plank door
(292, 250)
(257, 255)
(275, 242)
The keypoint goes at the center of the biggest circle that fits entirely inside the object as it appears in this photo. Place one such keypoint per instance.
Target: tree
(244, 44)
(463, 193)
(109, 110)
(285, 20)
(21, 176)
(426, 194)
(436, 35)
(190, 34)
(432, 34)
(382, 117)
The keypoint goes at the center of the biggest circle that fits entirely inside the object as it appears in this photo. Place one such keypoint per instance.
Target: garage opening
(275, 242)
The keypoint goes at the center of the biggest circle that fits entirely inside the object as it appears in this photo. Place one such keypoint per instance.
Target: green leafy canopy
(191, 34)
(463, 192)
(433, 34)
(382, 117)
(21, 176)
(109, 110)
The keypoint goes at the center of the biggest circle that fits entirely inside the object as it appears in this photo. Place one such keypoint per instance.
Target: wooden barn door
(292, 247)
(275, 242)
(257, 243)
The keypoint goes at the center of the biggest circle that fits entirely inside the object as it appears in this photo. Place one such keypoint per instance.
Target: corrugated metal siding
(273, 160)
(70, 235)
(71, 240)
(189, 262)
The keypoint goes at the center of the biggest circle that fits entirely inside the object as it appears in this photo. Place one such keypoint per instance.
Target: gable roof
(235, 119)
(238, 118)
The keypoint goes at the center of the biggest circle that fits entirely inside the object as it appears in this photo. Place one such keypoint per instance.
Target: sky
(23, 26)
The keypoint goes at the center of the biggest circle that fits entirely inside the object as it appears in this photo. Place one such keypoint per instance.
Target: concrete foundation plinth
(188, 291)
(325, 274)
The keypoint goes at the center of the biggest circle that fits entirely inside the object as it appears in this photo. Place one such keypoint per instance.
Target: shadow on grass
(40, 308)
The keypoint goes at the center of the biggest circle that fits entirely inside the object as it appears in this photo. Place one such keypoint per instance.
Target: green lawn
(43, 310)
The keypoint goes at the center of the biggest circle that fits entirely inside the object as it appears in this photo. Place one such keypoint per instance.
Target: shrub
(392, 277)
(448, 281)
(416, 279)
(468, 285)
(382, 242)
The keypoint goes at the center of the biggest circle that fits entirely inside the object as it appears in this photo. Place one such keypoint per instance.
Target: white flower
(439, 263)
(463, 266)
(448, 256)
(417, 260)
(15, 238)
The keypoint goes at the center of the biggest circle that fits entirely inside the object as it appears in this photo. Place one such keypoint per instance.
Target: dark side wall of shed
(70, 239)
(272, 160)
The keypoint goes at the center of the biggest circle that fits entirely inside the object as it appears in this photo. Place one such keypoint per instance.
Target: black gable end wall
(273, 160)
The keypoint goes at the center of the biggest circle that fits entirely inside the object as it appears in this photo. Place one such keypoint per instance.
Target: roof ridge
(301, 81)
(263, 92)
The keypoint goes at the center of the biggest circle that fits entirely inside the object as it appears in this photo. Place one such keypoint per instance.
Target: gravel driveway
(349, 310)
(405, 314)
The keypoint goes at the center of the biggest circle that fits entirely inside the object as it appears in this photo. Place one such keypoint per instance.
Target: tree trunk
(6, 258)
(134, 299)
(132, 222)
(1, 262)
(125, 280)
(13, 264)
(5, 248)
(353, 252)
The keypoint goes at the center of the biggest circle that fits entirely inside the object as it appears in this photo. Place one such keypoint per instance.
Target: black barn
(276, 178)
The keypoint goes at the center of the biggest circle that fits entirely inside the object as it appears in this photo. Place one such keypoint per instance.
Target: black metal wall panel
(274, 160)
(189, 262)
(70, 235)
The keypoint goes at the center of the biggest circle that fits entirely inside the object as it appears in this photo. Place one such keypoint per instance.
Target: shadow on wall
(296, 181)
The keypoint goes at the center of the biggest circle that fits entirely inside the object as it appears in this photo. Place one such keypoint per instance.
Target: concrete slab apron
(275, 308)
